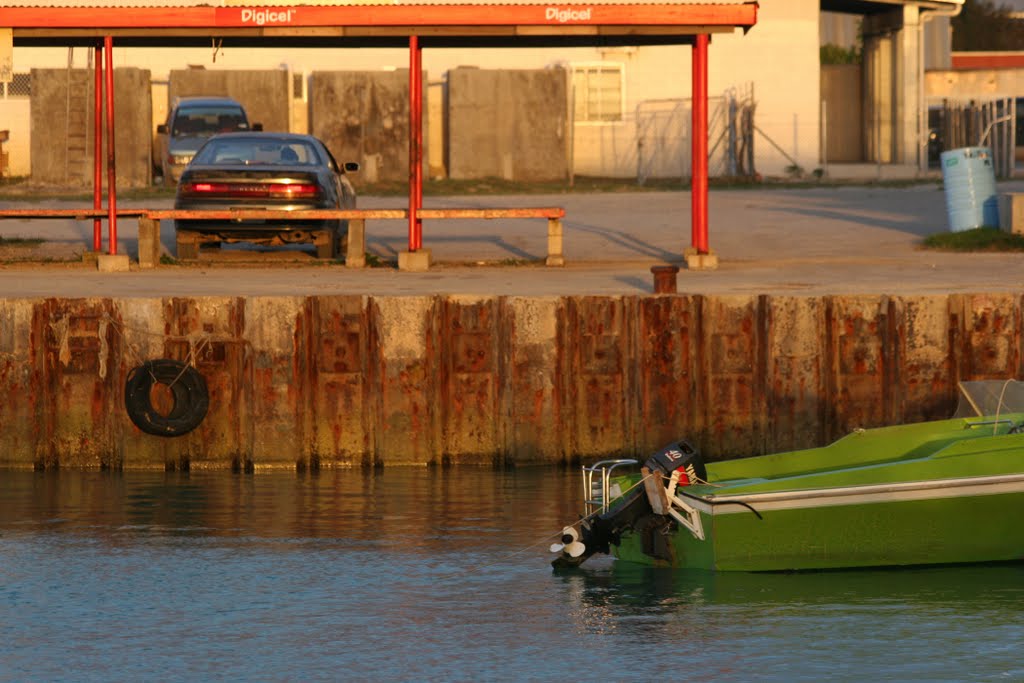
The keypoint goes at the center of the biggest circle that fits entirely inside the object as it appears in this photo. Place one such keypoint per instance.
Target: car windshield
(207, 121)
(232, 151)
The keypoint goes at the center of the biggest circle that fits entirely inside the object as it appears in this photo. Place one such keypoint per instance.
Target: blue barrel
(970, 182)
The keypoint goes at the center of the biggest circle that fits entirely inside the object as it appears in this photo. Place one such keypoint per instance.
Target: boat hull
(940, 522)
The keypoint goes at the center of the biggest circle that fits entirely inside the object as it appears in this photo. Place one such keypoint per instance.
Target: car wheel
(187, 246)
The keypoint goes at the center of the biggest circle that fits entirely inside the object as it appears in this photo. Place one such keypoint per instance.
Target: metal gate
(663, 131)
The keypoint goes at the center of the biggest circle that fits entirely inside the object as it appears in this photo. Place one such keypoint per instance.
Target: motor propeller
(570, 543)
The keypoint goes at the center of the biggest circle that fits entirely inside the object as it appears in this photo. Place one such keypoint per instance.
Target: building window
(598, 92)
(20, 86)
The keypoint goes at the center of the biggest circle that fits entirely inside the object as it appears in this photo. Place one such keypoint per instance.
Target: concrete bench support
(355, 255)
(555, 257)
(149, 242)
(1011, 212)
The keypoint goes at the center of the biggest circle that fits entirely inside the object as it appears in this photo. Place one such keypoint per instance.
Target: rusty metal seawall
(351, 380)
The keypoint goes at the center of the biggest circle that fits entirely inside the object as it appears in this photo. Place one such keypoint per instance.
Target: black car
(279, 171)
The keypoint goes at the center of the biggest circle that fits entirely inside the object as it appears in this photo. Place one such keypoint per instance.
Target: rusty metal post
(97, 151)
(699, 164)
(415, 144)
(108, 45)
(664, 279)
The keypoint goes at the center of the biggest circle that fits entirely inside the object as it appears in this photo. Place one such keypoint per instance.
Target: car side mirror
(257, 127)
(351, 166)
(162, 129)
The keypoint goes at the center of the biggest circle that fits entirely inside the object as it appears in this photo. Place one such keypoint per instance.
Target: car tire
(187, 246)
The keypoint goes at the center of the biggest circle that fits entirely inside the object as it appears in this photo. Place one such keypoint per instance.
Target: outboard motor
(682, 455)
(600, 530)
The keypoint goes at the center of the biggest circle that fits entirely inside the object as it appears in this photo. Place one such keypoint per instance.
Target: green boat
(941, 492)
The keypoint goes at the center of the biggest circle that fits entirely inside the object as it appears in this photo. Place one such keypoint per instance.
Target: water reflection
(631, 584)
(359, 504)
(421, 574)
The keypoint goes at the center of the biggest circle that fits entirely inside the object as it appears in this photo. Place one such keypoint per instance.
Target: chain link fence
(743, 143)
(19, 87)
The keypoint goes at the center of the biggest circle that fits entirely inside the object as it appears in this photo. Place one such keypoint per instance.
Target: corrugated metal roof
(184, 4)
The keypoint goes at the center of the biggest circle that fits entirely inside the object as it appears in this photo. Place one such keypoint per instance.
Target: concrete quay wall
(333, 381)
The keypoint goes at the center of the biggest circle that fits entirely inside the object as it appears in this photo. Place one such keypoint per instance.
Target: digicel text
(563, 15)
(266, 16)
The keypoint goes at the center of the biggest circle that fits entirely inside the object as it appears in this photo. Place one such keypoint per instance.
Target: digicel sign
(256, 16)
(420, 14)
(262, 17)
(566, 14)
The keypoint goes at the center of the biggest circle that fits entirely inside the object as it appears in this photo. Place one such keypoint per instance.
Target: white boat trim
(857, 495)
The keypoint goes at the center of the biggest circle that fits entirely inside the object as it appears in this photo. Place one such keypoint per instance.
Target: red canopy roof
(426, 19)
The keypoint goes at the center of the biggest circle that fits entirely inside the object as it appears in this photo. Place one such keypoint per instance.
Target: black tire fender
(187, 386)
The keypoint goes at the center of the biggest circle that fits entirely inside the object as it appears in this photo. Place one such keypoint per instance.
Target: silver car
(190, 123)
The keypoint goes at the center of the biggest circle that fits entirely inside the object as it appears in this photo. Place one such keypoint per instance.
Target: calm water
(416, 575)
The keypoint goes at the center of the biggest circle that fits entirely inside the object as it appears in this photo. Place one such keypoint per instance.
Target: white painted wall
(15, 114)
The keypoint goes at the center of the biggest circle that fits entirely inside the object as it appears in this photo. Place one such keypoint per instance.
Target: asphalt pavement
(807, 241)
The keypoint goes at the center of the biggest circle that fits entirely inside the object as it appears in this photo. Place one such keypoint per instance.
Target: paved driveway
(801, 241)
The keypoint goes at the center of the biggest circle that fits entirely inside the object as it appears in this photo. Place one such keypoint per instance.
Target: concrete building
(629, 106)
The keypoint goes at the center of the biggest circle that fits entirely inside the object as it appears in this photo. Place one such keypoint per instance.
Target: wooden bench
(355, 257)
(552, 213)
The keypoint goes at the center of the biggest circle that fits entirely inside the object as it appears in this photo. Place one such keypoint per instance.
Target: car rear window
(234, 151)
(206, 121)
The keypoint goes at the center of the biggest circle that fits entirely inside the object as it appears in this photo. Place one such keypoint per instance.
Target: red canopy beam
(415, 143)
(108, 45)
(97, 150)
(699, 156)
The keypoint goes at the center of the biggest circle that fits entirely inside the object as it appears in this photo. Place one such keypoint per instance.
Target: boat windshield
(990, 398)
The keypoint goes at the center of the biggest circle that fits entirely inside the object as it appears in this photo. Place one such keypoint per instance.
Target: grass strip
(978, 239)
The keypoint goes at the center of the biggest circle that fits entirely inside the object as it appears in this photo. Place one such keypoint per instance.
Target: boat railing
(597, 488)
(1014, 427)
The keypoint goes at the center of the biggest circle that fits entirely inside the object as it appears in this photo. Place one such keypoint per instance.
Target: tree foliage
(830, 53)
(984, 26)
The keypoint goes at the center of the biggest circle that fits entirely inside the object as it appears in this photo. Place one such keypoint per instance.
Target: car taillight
(293, 190)
(208, 188)
(274, 190)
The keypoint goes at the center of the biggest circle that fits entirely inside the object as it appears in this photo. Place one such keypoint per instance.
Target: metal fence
(990, 123)
(663, 132)
(19, 87)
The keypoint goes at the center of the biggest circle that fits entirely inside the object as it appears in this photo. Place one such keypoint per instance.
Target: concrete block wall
(349, 381)
(266, 95)
(62, 115)
(510, 124)
(363, 116)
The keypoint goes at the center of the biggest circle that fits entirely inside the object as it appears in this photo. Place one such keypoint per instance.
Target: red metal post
(415, 144)
(699, 167)
(108, 45)
(97, 151)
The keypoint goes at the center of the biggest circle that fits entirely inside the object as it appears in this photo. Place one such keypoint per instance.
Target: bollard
(664, 279)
